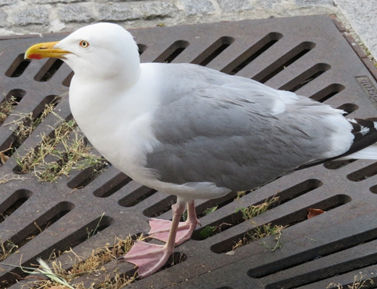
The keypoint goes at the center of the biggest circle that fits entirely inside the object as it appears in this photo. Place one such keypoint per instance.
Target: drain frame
(202, 267)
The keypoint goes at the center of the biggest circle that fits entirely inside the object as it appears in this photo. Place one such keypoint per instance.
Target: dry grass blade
(25, 123)
(45, 270)
(8, 178)
(255, 210)
(93, 265)
(6, 107)
(359, 282)
(22, 127)
(247, 214)
(101, 256)
(59, 154)
(263, 231)
(117, 282)
(266, 231)
(3, 156)
(6, 249)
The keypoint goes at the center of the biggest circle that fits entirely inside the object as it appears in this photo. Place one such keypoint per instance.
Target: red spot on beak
(35, 56)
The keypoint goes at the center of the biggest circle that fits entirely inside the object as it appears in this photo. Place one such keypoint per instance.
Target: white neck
(92, 101)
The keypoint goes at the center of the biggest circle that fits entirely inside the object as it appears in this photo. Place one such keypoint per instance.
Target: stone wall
(30, 16)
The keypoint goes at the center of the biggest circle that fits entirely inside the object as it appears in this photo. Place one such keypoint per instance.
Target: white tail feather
(369, 153)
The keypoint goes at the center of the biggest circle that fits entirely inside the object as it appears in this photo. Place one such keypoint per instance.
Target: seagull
(192, 131)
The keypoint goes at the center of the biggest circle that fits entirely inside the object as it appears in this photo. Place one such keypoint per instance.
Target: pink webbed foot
(160, 230)
(148, 257)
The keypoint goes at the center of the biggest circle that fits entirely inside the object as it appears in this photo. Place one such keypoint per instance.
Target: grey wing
(230, 135)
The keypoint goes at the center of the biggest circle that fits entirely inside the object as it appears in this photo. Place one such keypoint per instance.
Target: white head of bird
(97, 52)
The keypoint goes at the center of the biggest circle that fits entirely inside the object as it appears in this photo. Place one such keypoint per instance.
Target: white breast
(118, 122)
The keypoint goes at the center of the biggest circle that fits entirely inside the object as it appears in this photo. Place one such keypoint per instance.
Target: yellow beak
(43, 50)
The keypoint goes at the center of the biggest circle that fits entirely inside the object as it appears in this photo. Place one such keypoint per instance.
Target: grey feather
(216, 128)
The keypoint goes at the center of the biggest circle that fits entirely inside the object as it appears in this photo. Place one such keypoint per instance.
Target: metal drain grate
(308, 55)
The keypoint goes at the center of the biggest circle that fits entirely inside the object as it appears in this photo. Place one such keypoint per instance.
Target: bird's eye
(84, 43)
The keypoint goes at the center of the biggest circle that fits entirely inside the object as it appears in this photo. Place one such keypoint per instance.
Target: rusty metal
(308, 55)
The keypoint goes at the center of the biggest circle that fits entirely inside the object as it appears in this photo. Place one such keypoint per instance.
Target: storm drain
(89, 208)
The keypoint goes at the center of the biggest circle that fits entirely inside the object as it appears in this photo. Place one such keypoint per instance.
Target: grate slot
(363, 173)
(18, 66)
(349, 108)
(213, 50)
(237, 217)
(286, 221)
(60, 153)
(67, 80)
(200, 209)
(48, 100)
(113, 185)
(219, 202)
(65, 129)
(28, 123)
(160, 207)
(324, 273)
(306, 77)
(373, 189)
(88, 175)
(10, 101)
(253, 52)
(74, 239)
(142, 48)
(175, 259)
(48, 69)
(13, 202)
(136, 197)
(284, 61)
(334, 165)
(327, 92)
(38, 226)
(313, 254)
(172, 51)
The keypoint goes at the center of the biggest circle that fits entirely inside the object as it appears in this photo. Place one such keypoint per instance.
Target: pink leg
(160, 228)
(151, 257)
